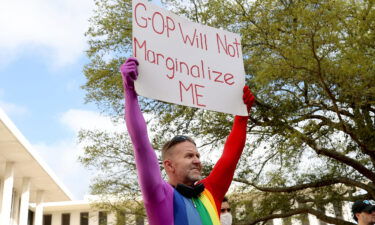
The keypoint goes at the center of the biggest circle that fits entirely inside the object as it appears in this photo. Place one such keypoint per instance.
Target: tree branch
(325, 86)
(321, 104)
(320, 215)
(196, 11)
(264, 164)
(331, 153)
(335, 155)
(316, 184)
(349, 131)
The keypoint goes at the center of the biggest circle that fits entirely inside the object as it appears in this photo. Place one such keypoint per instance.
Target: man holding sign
(185, 199)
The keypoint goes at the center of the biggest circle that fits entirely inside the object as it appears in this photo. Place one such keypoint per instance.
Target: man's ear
(357, 215)
(168, 165)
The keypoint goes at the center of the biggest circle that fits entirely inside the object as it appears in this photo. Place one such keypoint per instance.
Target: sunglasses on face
(180, 138)
(225, 210)
(369, 202)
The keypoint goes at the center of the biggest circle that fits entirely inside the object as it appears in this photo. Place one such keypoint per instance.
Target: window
(65, 219)
(30, 218)
(47, 219)
(121, 217)
(84, 218)
(139, 220)
(102, 218)
(13, 203)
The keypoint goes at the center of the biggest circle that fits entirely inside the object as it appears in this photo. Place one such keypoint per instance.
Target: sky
(42, 54)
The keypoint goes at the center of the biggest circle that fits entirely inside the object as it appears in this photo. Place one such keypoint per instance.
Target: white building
(30, 194)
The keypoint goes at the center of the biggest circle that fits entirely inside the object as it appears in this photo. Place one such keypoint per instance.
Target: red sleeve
(221, 176)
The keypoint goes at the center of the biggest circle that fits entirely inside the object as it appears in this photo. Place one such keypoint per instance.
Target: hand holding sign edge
(129, 72)
(248, 98)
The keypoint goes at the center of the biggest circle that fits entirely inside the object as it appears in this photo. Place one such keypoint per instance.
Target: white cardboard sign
(187, 63)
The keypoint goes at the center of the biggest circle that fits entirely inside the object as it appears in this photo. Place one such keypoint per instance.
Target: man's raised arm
(221, 176)
(146, 161)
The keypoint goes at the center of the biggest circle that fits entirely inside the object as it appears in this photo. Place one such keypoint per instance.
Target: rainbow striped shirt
(195, 211)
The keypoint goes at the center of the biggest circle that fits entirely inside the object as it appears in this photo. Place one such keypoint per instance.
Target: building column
(303, 218)
(93, 218)
(38, 220)
(111, 218)
(7, 194)
(337, 207)
(56, 218)
(25, 199)
(74, 217)
(1, 196)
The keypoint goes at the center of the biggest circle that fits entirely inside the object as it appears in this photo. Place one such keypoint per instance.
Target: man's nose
(196, 160)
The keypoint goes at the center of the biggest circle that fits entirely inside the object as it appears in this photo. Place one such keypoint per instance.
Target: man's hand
(248, 98)
(129, 72)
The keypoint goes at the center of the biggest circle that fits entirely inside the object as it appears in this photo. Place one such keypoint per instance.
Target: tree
(311, 65)
(111, 155)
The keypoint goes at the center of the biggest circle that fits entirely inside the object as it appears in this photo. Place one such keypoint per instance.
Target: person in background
(364, 212)
(225, 215)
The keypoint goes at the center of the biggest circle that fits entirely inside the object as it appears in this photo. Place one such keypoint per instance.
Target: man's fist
(129, 72)
(248, 98)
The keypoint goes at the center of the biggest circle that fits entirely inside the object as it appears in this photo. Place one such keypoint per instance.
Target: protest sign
(187, 63)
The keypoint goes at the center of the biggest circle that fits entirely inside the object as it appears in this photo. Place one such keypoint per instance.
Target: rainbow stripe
(195, 211)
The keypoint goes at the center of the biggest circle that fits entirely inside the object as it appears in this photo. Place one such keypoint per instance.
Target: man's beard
(194, 177)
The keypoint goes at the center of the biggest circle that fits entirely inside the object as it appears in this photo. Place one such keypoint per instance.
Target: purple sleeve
(157, 194)
(149, 176)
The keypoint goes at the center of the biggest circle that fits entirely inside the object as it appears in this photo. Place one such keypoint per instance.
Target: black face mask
(190, 192)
